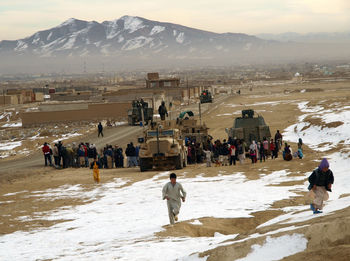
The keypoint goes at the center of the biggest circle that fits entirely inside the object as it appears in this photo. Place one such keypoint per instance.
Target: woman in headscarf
(321, 181)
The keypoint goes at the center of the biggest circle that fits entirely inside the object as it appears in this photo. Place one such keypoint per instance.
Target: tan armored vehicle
(162, 149)
(190, 128)
(249, 127)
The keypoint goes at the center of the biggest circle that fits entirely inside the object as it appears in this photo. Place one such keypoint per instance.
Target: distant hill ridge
(129, 33)
(132, 42)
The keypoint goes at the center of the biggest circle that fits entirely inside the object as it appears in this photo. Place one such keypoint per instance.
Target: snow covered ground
(9, 145)
(319, 137)
(121, 221)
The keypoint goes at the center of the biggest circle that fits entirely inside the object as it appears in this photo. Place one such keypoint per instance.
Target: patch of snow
(196, 222)
(21, 46)
(277, 248)
(14, 193)
(10, 145)
(97, 44)
(7, 202)
(12, 125)
(225, 114)
(157, 29)
(132, 23)
(36, 38)
(7, 115)
(120, 225)
(180, 38)
(112, 29)
(68, 22)
(318, 137)
(49, 36)
(69, 44)
(66, 137)
(120, 39)
(136, 43)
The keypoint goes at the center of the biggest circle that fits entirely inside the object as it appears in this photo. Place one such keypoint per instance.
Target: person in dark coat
(100, 129)
(130, 152)
(162, 111)
(321, 181)
(118, 157)
(278, 139)
(60, 156)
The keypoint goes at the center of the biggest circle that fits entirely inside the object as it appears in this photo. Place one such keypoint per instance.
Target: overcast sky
(22, 18)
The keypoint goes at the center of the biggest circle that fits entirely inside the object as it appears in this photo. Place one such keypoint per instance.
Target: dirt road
(114, 135)
(120, 135)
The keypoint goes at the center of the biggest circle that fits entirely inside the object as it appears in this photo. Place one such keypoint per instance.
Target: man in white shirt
(173, 192)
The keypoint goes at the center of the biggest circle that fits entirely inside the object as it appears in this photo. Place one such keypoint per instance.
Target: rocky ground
(242, 212)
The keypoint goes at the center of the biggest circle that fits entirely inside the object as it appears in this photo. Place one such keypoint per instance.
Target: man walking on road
(100, 129)
(173, 192)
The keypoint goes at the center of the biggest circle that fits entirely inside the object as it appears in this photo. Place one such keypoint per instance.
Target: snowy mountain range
(127, 34)
(134, 42)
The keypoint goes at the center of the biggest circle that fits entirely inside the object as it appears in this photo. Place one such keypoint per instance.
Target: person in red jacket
(47, 153)
(232, 150)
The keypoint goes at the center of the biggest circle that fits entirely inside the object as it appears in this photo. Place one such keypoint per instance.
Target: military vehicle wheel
(179, 164)
(145, 165)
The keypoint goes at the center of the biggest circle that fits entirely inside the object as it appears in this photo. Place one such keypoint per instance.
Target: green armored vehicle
(135, 114)
(249, 127)
(206, 97)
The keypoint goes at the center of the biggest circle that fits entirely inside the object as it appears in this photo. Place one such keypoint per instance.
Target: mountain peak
(128, 34)
(69, 21)
(132, 23)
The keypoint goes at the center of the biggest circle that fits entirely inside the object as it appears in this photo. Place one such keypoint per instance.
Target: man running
(171, 192)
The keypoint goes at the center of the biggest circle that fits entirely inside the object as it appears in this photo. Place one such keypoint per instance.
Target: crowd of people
(84, 155)
(220, 153)
(228, 152)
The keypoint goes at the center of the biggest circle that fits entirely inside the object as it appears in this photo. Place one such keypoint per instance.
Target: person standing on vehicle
(173, 192)
(162, 111)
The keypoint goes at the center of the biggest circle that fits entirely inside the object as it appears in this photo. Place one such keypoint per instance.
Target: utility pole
(3, 94)
(200, 113)
(188, 91)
